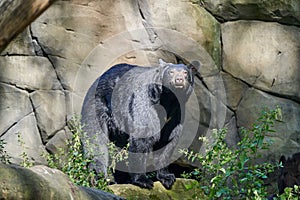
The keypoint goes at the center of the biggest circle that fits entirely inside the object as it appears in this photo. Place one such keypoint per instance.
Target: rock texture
(58, 141)
(15, 71)
(249, 51)
(24, 137)
(265, 55)
(178, 191)
(283, 11)
(50, 115)
(43, 183)
(287, 136)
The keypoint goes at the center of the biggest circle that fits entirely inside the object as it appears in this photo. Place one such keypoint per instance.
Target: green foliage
(4, 157)
(26, 161)
(74, 161)
(117, 155)
(290, 194)
(233, 173)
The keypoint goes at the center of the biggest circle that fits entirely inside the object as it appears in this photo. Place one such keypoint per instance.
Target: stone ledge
(43, 183)
(178, 191)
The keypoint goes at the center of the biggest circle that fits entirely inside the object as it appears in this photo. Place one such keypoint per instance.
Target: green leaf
(223, 170)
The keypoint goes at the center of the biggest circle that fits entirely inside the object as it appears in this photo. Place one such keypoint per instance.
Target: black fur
(144, 106)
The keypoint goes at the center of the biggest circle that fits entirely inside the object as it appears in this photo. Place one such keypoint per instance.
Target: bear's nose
(179, 79)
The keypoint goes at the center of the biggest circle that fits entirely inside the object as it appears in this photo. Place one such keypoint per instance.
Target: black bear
(142, 106)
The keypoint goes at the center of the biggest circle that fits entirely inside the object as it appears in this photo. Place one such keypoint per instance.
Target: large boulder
(28, 72)
(19, 119)
(50, 110)
(43, 183)
(195, 23)
(264, 55)
(13, 110)
(24, 141)
(284, 11)
(178, 191)
(58, 141)
(68, 32)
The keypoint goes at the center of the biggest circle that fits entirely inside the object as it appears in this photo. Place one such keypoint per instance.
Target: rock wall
(249, 53)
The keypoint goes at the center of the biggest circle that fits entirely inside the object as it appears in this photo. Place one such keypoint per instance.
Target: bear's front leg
(167, 179)
(138, 154)
(162, 158)
(137, 169)
(141, 180)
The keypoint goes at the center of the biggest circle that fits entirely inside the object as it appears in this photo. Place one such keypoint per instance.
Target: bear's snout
(179, 80)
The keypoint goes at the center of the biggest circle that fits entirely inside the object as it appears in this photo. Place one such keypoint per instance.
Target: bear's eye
(171, 72)
(185, 73)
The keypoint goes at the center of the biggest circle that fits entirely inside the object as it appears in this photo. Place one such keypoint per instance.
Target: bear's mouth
(179, 85)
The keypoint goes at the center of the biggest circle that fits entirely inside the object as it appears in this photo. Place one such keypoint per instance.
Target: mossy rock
(178, 191)
(43, 183)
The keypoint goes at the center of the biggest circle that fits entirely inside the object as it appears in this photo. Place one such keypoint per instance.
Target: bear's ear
(195, 66)
(162, 63)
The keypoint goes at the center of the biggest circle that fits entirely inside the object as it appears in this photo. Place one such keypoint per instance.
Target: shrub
(26, 161)
(116, 155)
(233, 173)
(74, 162)
(290, 194)
(4, 157)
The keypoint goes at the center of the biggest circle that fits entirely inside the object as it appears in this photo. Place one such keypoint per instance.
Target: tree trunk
(15, 15)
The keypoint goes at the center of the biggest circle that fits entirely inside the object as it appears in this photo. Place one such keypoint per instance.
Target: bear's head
(178, 77)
